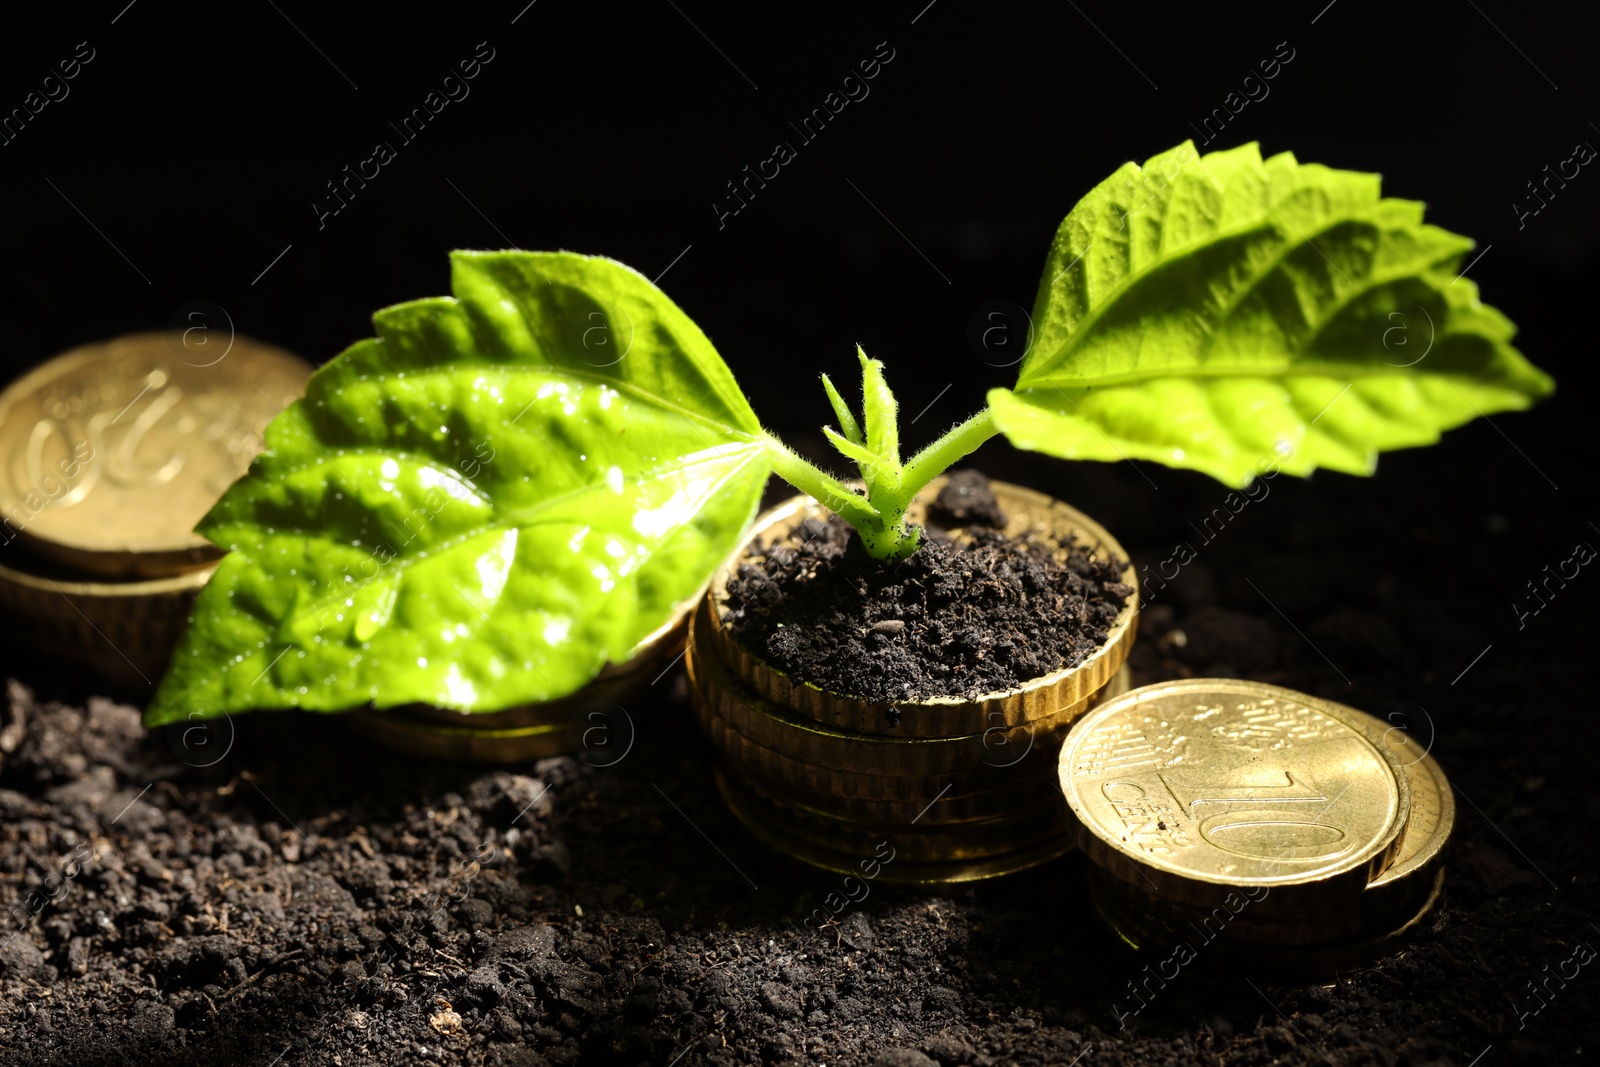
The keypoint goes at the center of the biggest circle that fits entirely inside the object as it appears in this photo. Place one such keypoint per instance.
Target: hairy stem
(956, 443)
(880, 519)
(829, 491)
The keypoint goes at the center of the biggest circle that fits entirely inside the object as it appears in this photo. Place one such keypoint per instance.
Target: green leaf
(841, 410)
(479, 507)
(1234, 314)
(881, 412)
(867, 460)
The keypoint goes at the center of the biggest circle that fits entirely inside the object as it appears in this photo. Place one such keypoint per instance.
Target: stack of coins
(109, 456)
(1252, 825)
(947, 789)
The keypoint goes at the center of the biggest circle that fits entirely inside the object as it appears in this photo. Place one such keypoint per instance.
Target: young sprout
(873, 444)
(508, 488)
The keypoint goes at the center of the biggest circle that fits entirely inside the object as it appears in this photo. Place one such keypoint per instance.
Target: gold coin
(883, 864)
(1199, 789)
(122, 631)
(1388, 900)
(954, 805)
(1028, 514)
(467, 744)
(994, 790)
(1416, 871)
(1411, 877)
(807, 741)
(812, 778)
(1433, 818)
(907, 789)
(1025, 797)
(937, 843)
(1199, 941)
(111, 453)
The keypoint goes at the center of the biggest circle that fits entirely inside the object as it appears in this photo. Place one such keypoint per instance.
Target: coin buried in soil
(1195, 788)
(111, 453)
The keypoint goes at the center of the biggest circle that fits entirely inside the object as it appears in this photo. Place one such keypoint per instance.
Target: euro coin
(122, 631)
(419, 736)
(111, 453)
(1433, 815)
(764, 723)
(1207, 791)
(1389, 900)
(949, 803)
(1199, 941)
(883, 863)
(942, 842)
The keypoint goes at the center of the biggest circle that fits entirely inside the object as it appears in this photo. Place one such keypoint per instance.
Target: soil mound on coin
(960, 617)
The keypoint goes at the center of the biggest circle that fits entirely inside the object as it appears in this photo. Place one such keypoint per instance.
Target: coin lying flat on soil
(1194, 790)
(1237, 780)
(1415, 876)
(111, 453)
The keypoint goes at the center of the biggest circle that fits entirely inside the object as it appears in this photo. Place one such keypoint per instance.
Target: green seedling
(508, 488)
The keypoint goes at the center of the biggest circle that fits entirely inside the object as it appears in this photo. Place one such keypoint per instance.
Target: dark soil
(966, 499)
(307, 899)
(961, 616)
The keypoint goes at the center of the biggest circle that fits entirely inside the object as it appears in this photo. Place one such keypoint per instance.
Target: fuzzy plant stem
(879, 518)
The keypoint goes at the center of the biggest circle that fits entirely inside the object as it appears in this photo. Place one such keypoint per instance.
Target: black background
(194, 145)
(197, 140)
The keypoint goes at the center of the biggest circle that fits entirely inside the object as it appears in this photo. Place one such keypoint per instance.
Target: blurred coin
(124, 632)
(420, 736)
(111, 453)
